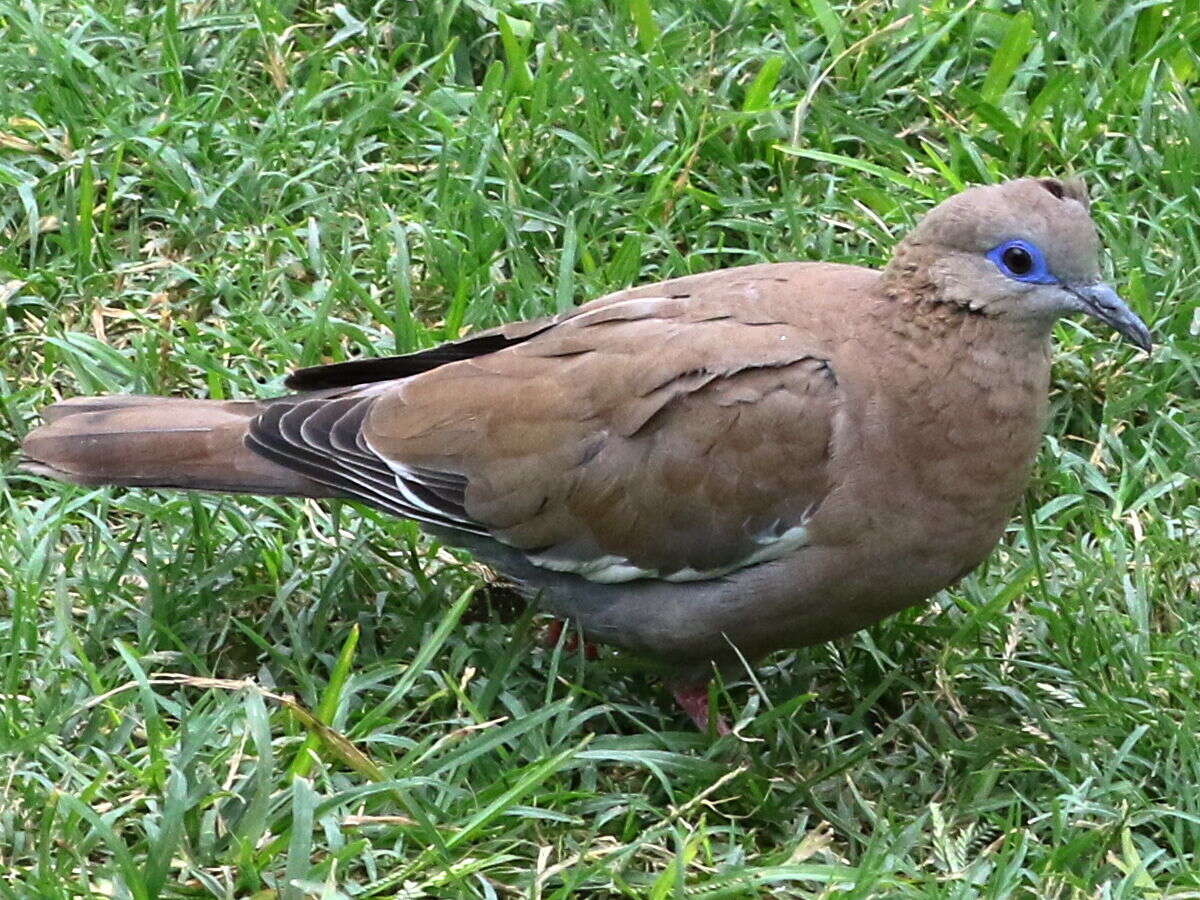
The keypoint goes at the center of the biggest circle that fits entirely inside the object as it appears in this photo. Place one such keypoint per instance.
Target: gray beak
(1101, 302)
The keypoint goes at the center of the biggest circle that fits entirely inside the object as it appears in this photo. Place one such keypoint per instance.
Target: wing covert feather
(658, 437)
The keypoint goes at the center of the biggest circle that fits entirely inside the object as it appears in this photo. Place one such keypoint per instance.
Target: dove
(699, 471)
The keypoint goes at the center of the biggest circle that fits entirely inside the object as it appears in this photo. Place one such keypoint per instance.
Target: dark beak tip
(1102, 302)
(1139, 335)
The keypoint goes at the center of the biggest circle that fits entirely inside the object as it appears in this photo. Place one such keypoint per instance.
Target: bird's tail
(158, 442)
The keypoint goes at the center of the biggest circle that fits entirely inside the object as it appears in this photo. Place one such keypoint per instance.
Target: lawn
(230, 697)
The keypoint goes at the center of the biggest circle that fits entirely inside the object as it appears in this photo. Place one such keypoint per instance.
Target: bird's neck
(934, 311)
(906, 279)
(970, 417)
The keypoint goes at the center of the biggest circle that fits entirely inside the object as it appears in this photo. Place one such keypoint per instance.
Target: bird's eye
(1021, 261)
(1018, 261)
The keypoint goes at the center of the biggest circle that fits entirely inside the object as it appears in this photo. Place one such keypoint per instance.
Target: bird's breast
(953, 437)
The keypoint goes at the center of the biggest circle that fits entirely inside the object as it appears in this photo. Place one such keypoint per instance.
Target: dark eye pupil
(1018, 260)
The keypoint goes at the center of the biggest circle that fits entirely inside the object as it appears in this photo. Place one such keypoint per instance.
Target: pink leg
(693, 699)
(554, 632)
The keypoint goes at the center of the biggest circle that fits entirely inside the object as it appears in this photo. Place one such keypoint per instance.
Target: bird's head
(1026, 250)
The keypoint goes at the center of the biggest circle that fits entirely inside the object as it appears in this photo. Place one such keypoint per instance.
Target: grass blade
(1014, 46)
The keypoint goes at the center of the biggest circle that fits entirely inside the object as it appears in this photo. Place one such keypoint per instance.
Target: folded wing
(665, 437)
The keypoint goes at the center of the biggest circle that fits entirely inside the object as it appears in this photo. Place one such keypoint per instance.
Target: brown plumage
(756, 458)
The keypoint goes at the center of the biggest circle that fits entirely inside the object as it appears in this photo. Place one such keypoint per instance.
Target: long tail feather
(158, 442)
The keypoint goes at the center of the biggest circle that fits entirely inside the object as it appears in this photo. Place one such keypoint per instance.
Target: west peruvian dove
(757, 457)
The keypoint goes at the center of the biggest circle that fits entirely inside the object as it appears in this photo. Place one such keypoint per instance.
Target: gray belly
(811, 596)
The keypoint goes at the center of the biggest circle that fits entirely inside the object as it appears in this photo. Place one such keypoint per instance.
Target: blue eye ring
(1021, 261)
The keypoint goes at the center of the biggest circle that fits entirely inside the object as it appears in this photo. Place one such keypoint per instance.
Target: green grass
(196, 197)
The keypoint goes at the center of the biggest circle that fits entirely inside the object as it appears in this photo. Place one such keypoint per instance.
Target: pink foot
(553, 633)
(693, 699)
